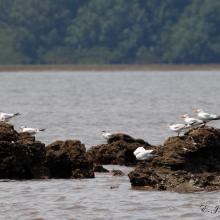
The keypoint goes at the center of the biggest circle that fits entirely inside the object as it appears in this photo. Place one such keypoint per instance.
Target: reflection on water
(80, 105)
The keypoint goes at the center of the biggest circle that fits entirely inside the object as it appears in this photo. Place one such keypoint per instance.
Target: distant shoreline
(119, 67)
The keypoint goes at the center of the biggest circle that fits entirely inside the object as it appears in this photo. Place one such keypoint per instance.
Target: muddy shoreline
(119, 67)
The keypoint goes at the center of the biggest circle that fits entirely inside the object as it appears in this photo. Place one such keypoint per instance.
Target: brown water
(80, 105)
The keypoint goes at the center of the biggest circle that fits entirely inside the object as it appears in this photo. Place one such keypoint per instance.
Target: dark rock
(184, 164)
(82, 173)
(117, 173)
(119, 150)
(7, 132)
(100, 169)
(17, 160)
(40, 172)
(67, 159)
(126, 138)
(22, 157)
(25, 137)
(36, 151)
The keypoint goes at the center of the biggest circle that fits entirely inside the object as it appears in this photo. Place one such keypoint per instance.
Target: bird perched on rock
(177, 127)
(206, 117)
(106, 135)
(190, 121)
(5, 117)
(31, 130)
(142, 154)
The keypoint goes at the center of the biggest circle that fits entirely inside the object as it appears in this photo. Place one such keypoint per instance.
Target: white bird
(5, 117)
(31, 130)
(190, 121)
(106, 135)
(142, 154)
(206, 117)
(177, 127)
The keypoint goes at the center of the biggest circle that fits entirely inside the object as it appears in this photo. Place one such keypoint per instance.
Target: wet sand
(119, 67)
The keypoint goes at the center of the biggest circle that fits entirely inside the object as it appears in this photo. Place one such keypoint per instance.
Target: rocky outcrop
(22, 157)
(100, 169)
(67, 159)
(25, 137)
(119, 150)
(186, 164)
(8, 133)
(117, 173)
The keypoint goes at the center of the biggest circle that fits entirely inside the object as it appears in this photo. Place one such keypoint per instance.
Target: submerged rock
(117, 173)
(100, 169)
(67, 159)
(185, 164)
(119, 150)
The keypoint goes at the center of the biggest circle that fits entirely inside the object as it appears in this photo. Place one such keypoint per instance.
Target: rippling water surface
(79, 105)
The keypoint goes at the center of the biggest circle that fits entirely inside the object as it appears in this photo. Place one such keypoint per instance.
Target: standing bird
(190, 121)
(206, 117)
(31, 131)
(142, 154)
(5, 117)
(106, 135)
(177, 127)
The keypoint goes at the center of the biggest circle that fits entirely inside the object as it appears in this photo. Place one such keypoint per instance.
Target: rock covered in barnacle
(186, 164)
(119, 150)
(67, 159)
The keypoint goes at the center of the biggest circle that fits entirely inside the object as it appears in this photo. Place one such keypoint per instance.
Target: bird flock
(6, 117)
(200, 119)
(140, 153)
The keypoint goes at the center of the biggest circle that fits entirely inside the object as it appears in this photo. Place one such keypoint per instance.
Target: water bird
(106, 135)
(142, 154)
(177, 127)
(5, 117)
(204, 116)
(190, 121)
(31, 130)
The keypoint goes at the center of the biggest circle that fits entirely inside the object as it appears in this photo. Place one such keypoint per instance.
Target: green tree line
(109, 31)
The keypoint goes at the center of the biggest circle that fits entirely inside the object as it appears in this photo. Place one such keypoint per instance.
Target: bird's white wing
(213, 116)
(149, 151)
(178, 126)
(29, 129)
(193, 121)
(204, 115)
(139, 150)
(144, 155)
(6, 115)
